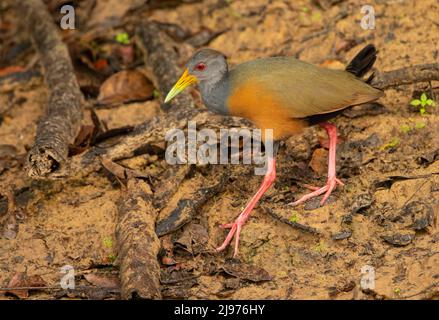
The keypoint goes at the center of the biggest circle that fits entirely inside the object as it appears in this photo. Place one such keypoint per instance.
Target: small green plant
(294, 218)
(108, 242)
(392, 144)
(405, 128)
(420, 125)
(316, 16)
(422, 103)
(155, 94)
(112, 258)
(123, 38)
(305, 9)
(397, 291)
(320, 248)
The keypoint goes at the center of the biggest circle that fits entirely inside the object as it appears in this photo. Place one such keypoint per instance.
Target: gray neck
(214, 93)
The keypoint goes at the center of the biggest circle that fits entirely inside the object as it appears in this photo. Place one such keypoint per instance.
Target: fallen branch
(296, 225)
(63, 116)
(409, 75)
(187, 207)
(138, 244)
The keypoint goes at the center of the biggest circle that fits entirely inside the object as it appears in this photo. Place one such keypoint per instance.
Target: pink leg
(332, 181)
(236, 227)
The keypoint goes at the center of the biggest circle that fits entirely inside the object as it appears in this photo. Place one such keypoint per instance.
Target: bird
(283, 94)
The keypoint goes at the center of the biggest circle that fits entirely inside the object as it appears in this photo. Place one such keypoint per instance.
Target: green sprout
(392, 144)
(317, 16)
(420, 125)
(112, 258)
(422, 103)
(397, 291)
(305, 9)
(155, 94)
(108, 242)
(294, 218)
(123, 38)
(405, 128)
(320, 248)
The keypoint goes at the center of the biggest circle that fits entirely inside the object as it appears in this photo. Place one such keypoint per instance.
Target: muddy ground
(385, 216)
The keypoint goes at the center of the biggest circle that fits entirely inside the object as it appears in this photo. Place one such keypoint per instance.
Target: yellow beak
(185, 81)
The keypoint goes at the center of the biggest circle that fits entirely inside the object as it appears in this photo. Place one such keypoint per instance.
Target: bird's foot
(331, 184)
(234, 228)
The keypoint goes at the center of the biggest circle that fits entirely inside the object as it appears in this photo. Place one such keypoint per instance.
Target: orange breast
(264, 109)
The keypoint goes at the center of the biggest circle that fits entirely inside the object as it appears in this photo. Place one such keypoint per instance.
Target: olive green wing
(305, 89)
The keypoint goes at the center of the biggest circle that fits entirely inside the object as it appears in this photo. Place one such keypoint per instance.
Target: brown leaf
(125, 86)
(245, 271)
(200, 238)
(101, 64)
(120, 171)
(22, 280)
(399, 239)
(83, 140)
(126, 53)
(8, 151)
(8, 70)
(168, 261)
(103, 281)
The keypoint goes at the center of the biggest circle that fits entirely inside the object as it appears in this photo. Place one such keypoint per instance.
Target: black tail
(363, 61)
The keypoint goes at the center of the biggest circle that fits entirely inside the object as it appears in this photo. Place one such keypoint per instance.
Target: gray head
(206, 67)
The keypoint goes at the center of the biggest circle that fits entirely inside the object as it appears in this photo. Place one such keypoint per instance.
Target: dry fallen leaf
(8, 70)
(22, 280)
(103, 281)
(82, 140)
(120, 171)
(126, 53)
(245, 271)
(125, 86)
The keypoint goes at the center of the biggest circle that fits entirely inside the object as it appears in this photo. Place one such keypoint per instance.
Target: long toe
(228, 238)
(331, 184)
(309, 196)
(234, 231)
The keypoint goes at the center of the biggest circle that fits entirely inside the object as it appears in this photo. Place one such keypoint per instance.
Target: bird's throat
(215, 92)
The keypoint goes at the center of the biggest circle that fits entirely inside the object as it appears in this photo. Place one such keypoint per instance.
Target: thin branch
(63, 116)
(408, 75)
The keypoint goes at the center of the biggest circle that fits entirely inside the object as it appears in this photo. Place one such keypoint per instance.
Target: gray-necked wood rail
(283, 94)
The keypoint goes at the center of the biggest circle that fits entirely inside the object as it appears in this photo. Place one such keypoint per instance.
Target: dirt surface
(385, 216)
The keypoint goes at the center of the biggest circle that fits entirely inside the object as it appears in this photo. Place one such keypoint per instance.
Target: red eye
(200, 66)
